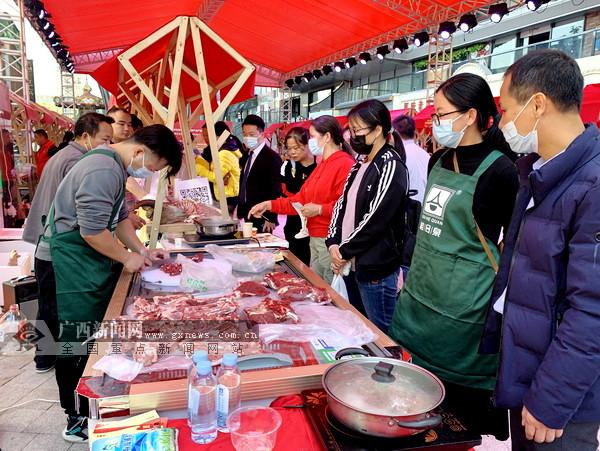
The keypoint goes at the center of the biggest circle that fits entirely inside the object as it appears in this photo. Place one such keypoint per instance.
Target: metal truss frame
(425, 14)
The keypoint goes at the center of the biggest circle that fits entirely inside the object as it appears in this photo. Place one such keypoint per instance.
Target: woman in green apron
(85, 228)
(470, 193)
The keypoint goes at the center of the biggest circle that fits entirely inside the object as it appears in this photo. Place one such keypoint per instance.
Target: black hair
(466, 91)
(41, 132)
(220, 127)
(299, 134)
(90, 123)
(136, 122)
(115, 109)
(329, 124)
(551, 72)
(253, 119)
(162, 142)
(405, 126)
(68, 136)
(373, 113)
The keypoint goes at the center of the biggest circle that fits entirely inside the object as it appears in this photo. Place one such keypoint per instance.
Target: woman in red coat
(320, 192)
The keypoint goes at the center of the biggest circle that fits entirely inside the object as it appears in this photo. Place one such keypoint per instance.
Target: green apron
(441, 310)
(84, 281)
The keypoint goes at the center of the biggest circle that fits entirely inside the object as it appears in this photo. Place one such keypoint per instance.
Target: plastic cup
(247, 230)
(254, 232)
(254, 428)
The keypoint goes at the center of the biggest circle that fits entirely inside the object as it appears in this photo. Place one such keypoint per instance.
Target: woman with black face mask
(367, 224)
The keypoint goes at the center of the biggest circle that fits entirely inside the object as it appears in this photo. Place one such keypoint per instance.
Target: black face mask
(360, 146)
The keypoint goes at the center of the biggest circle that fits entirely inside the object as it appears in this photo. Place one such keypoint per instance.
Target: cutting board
(158, 277)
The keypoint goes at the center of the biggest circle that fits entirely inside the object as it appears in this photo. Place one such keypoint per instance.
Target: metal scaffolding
(285, 110)
(439, 63)
(67, 94)
(13, 59)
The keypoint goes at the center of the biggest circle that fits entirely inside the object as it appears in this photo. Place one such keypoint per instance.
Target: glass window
(564, 37)
(567, 28)
(502, 56)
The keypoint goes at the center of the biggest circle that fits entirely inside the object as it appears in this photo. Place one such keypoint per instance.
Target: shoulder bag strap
(482, 238)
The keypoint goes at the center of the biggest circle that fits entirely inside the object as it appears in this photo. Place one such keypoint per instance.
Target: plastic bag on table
(340, 328)
(119, 367)
(251, 261)
(206, 277)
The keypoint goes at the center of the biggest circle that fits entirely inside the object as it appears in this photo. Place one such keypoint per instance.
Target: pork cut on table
(178, 307)
(271, 311)
(172, 269)
(277, 280)
(251, 288)
(295, 293)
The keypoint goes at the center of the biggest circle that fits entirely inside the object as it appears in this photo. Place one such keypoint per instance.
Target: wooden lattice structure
(179, 73)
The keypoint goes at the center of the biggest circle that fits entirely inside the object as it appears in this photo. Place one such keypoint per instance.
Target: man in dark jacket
(260, 178)
(546, 300)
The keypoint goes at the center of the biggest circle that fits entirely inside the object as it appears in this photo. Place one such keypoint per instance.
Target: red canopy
(272, 128)
(395, 113)
(423, 117)
(38, 113)
(281, 37)
(590, 109)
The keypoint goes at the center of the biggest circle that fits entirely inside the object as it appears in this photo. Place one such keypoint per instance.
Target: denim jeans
(379, 299)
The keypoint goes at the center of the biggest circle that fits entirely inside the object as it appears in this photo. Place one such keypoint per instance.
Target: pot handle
(350, 351)
(432, 420)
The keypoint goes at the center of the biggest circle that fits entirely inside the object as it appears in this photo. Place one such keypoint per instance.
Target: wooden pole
(170, 122)
(208, 115)
(188, 145)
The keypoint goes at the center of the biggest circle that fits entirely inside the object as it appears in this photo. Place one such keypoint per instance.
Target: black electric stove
(451, 435)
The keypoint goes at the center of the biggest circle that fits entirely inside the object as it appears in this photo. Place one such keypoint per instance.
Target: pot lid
(217, 221)
(384, 386)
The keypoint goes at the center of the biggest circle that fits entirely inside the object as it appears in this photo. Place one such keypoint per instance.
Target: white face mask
(251, 142)
(444, 134)
(518, 143)
(313, 146)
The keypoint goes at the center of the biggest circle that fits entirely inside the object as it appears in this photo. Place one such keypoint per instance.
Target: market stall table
(167, 389)
(11, 234)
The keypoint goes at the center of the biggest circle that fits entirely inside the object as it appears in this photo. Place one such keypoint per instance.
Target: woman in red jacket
(320, 192)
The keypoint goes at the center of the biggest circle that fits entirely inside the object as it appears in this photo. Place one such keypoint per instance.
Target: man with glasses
(123, 130)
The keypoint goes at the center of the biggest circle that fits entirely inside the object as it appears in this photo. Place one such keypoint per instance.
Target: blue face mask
(142, 173)
(313, 146)
(445, 135)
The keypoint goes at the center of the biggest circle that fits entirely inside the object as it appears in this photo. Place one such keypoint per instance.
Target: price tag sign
(197, 190)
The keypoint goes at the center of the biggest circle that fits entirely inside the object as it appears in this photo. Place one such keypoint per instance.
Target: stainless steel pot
(383, 397)
(216, 227)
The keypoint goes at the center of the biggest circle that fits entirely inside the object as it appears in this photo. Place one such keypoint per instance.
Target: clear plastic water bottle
(197, 356)
(202, 414)
(228, 390)
(10, 323)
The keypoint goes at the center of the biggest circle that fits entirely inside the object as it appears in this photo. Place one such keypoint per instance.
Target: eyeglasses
(435, 118)
(354, 132)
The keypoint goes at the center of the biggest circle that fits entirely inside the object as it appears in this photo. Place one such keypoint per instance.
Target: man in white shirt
(417, 159)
